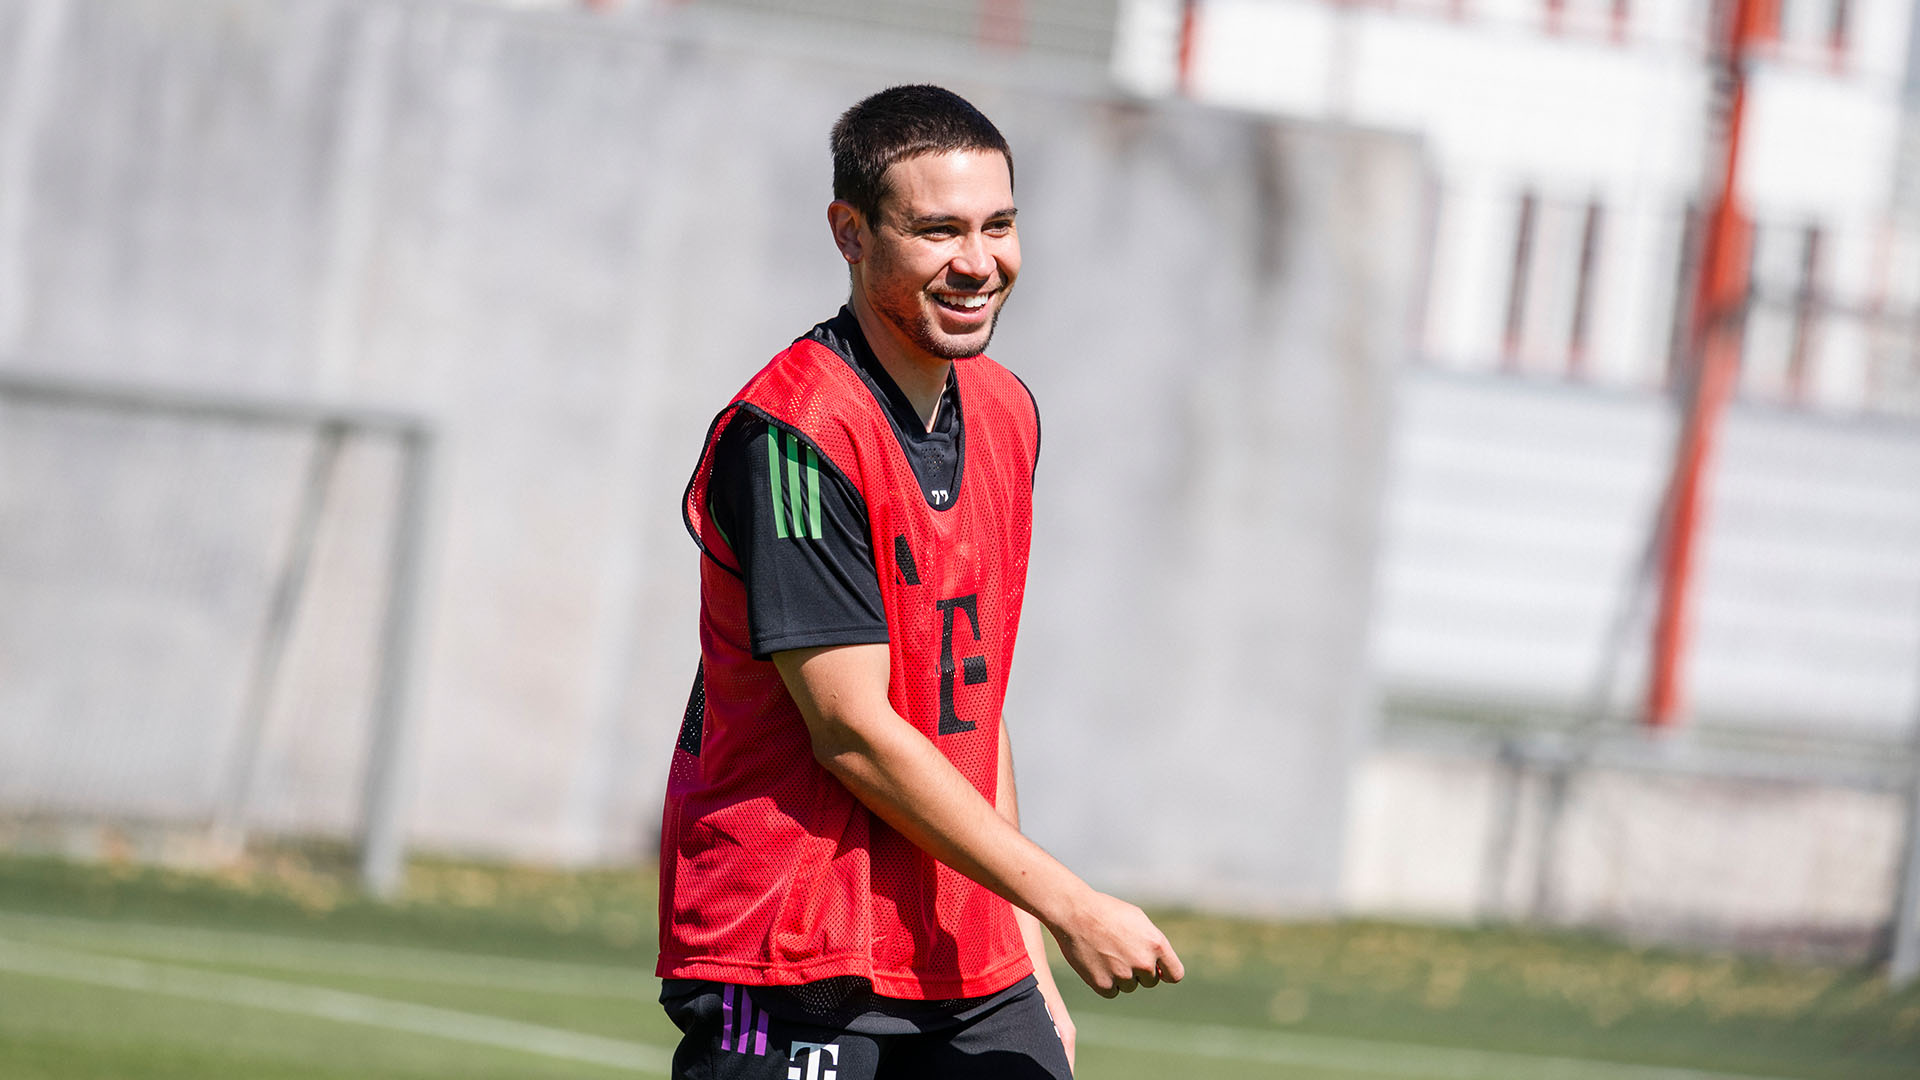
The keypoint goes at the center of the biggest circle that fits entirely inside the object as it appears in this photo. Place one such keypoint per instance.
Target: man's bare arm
(901, 776)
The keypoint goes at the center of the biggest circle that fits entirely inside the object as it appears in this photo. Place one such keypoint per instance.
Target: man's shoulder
(810, 396)
(811, 389)
(985, 369)
(983, 378)
(803, 355)
(806, 370)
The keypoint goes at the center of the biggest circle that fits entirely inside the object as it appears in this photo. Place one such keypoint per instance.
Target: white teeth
(970, 302)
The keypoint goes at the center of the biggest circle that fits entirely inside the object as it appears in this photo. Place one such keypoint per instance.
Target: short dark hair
(899, 123)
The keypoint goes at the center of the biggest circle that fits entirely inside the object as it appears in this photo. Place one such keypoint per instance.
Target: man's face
(941, 258)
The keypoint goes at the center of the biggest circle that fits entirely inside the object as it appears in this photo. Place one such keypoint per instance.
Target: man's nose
(973, 259)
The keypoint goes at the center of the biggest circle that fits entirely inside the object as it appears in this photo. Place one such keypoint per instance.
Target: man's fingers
(1170, 968)
(1119, 950)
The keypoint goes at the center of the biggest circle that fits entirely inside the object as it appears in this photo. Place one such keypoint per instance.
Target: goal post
(62, 426)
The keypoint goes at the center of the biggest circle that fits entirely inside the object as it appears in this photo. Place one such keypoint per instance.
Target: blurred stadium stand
(1571, 143)
(1571, 147)
(1518, 508)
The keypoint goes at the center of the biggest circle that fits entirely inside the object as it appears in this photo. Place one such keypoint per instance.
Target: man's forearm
(902, 777)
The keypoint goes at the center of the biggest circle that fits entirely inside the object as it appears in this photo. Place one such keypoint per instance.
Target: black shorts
(728, 1034)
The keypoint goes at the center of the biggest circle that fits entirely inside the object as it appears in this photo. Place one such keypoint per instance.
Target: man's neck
(923, 378)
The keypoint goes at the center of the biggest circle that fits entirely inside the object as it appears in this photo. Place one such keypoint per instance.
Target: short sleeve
(799, 531)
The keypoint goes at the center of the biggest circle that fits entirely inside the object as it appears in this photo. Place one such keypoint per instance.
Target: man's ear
(847, 225)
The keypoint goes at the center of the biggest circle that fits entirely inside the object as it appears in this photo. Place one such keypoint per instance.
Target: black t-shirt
(810, 570)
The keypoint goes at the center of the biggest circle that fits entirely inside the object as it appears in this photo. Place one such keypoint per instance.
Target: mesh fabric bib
(771, 872)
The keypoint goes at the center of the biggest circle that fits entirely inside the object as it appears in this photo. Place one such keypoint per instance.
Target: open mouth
(964, 303)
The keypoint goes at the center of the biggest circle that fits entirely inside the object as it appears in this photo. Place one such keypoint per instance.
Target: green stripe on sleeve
(773, 475)
(796, 495)
(813, 492)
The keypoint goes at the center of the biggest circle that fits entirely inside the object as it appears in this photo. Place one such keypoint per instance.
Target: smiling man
(845, 893)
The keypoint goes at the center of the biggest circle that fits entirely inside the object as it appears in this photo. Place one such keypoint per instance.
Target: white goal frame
(387, 773)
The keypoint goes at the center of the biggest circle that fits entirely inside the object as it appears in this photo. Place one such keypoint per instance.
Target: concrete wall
(1780, 864)
(569, 241)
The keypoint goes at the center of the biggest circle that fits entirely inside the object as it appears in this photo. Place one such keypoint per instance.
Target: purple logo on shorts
(735, 1028)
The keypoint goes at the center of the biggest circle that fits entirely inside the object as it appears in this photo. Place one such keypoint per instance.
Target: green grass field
(278, 969)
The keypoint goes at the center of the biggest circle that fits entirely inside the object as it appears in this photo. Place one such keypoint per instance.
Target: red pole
(1002, 23)
(1189, 29)
(1719, 305)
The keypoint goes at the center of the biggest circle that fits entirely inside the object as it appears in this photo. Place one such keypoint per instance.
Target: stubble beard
(917, 324)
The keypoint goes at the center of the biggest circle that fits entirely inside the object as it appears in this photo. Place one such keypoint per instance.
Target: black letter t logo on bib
(976, 666)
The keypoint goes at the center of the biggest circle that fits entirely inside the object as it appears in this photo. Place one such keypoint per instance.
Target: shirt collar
(842, 334)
